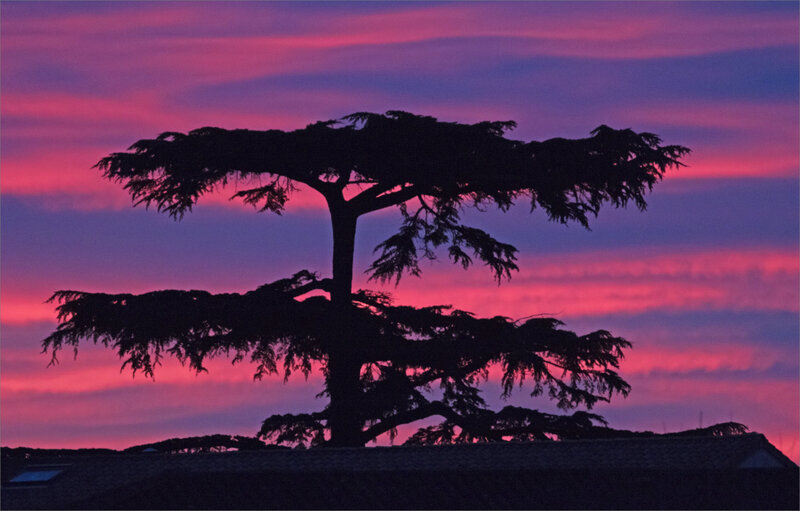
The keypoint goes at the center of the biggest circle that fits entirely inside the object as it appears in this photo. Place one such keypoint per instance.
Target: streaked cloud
(706, 358)
(79, 130)
(705, 283)
(593, 284)
(599, 31)
(576, 285)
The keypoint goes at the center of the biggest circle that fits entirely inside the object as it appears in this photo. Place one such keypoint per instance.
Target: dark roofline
(763, 441)
(738, 448)
(629, 473)
(774, 451)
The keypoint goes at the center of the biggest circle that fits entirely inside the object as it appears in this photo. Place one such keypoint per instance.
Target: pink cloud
(662, 370)
(765, 405)
(73, 392)
(107, 22)
(63, 171)
(135, 115)
(47, 158)
(97, 368)
(624, 36)
(22, 309)
(772, 159)
(668, 389)
(123, 414)
(24, 294)
(591, 32)
(60, 180)
(774, 117)
(70, 125)
(589, 284)
(708, 358)
(322, 40)
(59, 171)
(570, 285)
(761, 136)
(643, 30)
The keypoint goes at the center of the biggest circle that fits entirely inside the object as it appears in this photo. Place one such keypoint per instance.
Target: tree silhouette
(381, 361)
(202, 444)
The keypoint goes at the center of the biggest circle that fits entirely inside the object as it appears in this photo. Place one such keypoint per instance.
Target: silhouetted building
(731, 472)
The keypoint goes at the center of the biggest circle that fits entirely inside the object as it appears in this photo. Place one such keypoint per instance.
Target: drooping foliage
(268, 323)
(384, 365)
(393, 158)
(408, 354)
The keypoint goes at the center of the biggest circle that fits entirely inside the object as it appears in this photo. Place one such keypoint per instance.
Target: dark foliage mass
(397, 157)
(201, 444)
(426, 436)
(403, 351)
(186, 445)
(385, 365)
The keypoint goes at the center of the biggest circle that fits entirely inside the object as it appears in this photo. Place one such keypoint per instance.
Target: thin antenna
(701, 419)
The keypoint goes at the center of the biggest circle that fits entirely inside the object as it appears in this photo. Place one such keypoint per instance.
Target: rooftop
(478, 471)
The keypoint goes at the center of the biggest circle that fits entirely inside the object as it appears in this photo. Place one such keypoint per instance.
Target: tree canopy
(403, 350)
(392, 158)
(385, 365)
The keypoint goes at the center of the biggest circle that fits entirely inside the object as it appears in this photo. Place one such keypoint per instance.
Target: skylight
(36, 476)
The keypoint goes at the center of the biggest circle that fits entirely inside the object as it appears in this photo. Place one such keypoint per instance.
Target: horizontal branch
(368, 202)
(409, 416)
(196, 325)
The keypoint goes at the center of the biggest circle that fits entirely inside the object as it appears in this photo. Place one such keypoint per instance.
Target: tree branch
(389, 423)
(367, 203)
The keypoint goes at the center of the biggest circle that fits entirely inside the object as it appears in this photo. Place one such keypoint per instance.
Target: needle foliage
(385, 365)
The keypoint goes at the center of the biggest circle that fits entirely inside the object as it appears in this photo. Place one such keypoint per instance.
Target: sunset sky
(704, 283)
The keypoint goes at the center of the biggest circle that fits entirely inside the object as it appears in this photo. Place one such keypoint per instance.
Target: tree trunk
(344, 368)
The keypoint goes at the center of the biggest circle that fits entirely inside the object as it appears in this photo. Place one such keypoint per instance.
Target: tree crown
(384, 365)
(430, 169)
